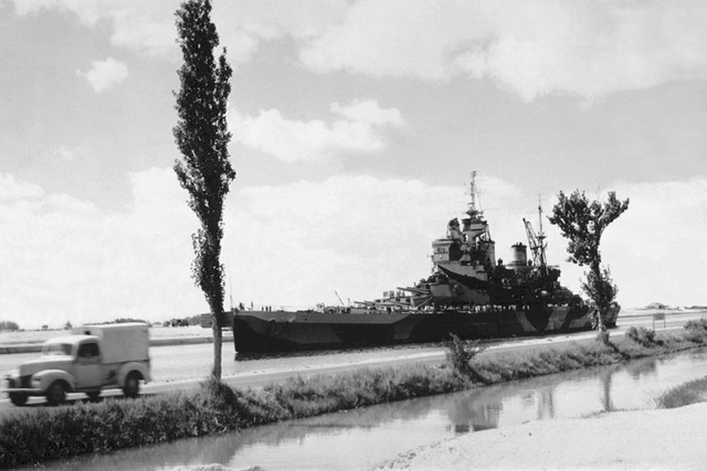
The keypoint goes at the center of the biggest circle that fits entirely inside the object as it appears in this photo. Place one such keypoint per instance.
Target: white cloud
(65, 259)
(295, 245)
(393, 38)
(584, 48)
(105, 74)
(147, 27)
(587, 48)
(69, 154)
(12, 189)
(656, 247)
(592, 49)
(244, 25)
(292, 141)
(368, 112)
(299, 243)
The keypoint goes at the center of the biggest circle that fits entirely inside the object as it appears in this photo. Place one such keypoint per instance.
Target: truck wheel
(93, 395)
(132, 385)
(56, 394)
(18, 399)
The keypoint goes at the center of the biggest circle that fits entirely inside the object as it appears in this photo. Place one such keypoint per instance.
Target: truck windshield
(57, 349)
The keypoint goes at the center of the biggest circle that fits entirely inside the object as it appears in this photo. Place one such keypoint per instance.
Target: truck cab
(93, 358)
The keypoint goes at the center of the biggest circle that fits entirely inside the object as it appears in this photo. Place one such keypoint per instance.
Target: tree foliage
(583, 223)
(601, 289)
(202, 137)
(9, 326)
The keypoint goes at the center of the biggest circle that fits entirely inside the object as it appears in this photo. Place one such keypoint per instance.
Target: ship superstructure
(466, 274)
(467, 256)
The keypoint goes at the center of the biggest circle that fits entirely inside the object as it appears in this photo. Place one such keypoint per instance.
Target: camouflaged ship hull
(285, 331)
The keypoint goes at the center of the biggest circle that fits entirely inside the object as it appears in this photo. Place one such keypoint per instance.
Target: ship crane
(537, 241)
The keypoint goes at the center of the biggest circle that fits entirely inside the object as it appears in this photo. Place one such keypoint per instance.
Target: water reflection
(359, 438)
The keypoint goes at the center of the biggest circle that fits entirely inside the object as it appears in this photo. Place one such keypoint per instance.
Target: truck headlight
(36, 380)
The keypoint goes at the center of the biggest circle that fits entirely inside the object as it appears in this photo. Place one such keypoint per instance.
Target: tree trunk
(217, 315)
(603, 334)
(218, 342)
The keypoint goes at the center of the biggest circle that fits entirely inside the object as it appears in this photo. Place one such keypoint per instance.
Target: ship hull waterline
(286, 331)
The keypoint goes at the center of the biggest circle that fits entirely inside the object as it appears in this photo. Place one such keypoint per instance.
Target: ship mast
(541, 234)
(472, 211)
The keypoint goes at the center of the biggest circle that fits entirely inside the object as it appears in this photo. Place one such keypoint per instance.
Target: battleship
(469, 293)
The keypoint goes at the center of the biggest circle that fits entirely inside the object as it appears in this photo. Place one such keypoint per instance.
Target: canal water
(358, 439)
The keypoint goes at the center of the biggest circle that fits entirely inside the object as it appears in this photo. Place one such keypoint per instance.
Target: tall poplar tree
(202, 136)
(583, 222)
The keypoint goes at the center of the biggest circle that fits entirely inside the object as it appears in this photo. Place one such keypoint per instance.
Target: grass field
(156, 332)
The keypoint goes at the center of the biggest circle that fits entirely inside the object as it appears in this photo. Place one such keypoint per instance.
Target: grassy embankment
(67, 431)
(684, 395)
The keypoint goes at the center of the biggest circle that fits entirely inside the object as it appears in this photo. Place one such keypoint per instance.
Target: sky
(356, 126)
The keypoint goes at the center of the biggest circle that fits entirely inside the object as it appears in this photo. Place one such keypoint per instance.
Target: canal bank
(337, 441)
(214, 410)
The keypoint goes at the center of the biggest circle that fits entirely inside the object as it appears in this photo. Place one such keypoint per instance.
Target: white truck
(92, 358)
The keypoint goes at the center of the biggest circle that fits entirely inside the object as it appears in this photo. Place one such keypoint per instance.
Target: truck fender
(47, 377)
(141, 368)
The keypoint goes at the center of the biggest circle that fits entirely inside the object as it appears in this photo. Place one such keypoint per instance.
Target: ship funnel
(519, 257)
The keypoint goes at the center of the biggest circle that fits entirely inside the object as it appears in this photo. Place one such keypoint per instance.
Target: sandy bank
(655, 439)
